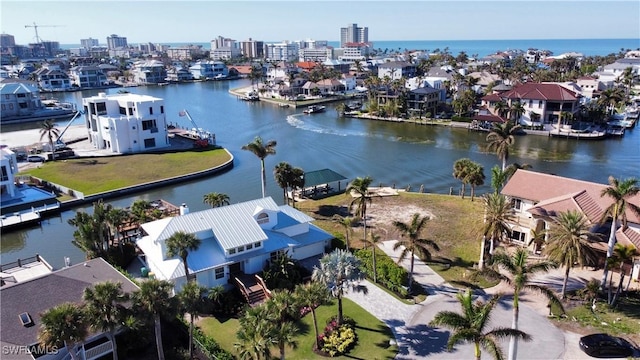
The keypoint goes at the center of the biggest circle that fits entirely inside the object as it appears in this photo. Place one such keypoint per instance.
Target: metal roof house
(238, 238)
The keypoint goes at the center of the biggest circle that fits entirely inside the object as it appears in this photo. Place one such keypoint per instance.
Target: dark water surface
(391, 153)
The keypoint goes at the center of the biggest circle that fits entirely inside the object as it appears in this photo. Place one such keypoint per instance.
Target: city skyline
(202, 21)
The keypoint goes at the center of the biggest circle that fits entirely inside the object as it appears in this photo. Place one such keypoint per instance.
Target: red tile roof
(544, 189)
(629, 236)
(540, 91)
(489, 118)
(306, 65)
(492, 97)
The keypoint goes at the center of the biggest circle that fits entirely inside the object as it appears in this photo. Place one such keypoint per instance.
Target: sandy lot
(31, 138)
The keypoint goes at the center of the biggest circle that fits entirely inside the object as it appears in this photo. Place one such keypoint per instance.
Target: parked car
(35, 158)
(606, 346)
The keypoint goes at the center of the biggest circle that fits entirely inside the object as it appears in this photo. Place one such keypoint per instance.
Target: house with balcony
(149, 72)
(88, 76)
(126, 123)
(423, 101)
(396, 70)
(542, 102)
(535, 207)
(24, 302)
(209, 70)
(178, 74)
(236, 239)
(51, 78)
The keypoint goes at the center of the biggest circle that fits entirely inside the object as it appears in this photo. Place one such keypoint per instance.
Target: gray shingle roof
(38, 295)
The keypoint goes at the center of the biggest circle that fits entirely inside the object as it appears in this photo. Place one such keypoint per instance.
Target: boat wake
(297, 121)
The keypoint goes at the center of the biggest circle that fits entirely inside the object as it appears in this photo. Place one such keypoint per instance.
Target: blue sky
(200, 21)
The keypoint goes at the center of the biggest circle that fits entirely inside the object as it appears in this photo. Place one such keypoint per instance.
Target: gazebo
(321, 183)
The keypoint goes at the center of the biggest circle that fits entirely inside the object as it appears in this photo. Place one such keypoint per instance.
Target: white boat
(314, 109)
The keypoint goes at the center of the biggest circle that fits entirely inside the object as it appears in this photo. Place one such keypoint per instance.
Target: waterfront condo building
(353, 34)
(114, 42)
(126, 123)
(89, 43)
(252, 49)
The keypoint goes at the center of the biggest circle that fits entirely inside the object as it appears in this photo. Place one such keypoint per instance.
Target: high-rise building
(114, 42)
(252, 49)
(7, 40)
(222, 42)
(353, 34)
(89, 43)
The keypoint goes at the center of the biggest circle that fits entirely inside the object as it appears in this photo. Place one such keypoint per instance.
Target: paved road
(416, 340)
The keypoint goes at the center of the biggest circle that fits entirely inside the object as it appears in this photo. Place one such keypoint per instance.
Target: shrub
(337, 340)
(210, 347)
(389, 274)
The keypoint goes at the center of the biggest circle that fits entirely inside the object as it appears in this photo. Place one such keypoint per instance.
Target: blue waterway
(588, 47)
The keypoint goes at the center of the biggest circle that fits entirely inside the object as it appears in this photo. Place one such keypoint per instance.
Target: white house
(149, 72)
(87, 76)
(9, 167)
(51, 78)
(238, 238)
(209, 70)
(126, 123)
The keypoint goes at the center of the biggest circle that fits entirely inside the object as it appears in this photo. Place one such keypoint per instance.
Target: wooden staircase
(252, 288)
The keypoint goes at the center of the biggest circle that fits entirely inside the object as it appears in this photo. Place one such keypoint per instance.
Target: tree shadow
(330, 210)
(425, 340)
(90, 162)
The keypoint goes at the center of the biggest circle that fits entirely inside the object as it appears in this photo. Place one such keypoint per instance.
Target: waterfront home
(236, 239)
(209, 70)
(126, 123)
(591, 86)
(178, 74)
(23, 304)
(547, 100)
(149, 72)
(51, 78)
(535, 207)
(424, 100)
(20, 204)
(88, 76)
(21, 103)
(396, 70)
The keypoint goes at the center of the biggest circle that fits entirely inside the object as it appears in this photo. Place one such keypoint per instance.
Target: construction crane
(35, 27)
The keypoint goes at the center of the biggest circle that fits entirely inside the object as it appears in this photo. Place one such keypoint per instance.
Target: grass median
(99, 174)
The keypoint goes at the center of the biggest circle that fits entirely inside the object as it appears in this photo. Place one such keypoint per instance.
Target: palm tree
(116, 217)
(338, 270)
(620, 192)
(282, 174)
(516, 110)
(624, 254)
(192, 301)
(501, 108)
(215, 199)
(518, 274)
(461, 170)
(179, 244)
(261, 150)
(284, 334)
(154, 298)
(105, 308)
(470, 326)
(49, 129)
(626, 78)
(569, 242)
(312, 295)
(374, 239)
(64, 324)
(254, 338)
(609, 98)
(497, 213)
(475, 177)
(413, 243)
(360, 188)
(499, 177)
(501, 138)
(347, 223)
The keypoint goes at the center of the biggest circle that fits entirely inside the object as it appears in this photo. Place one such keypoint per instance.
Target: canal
(391, 153)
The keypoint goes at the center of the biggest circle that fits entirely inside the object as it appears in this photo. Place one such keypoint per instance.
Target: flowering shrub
(337, 340)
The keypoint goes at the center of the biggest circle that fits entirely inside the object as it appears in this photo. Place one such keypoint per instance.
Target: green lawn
(373, 334)
(99, 174)
(455, 227)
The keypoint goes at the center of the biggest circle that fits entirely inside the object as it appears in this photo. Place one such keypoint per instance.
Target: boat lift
(198, 132)
(59, 142)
